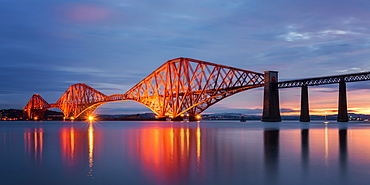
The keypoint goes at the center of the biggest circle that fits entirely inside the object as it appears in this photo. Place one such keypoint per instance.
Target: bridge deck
(354, 77)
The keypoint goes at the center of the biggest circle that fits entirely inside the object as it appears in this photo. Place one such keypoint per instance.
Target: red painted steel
(36, 107)
(179, 86)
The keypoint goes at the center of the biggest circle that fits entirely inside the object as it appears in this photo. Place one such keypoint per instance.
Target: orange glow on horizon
(323, 99)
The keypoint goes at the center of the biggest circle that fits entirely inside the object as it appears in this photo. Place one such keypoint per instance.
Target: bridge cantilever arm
(354, 77)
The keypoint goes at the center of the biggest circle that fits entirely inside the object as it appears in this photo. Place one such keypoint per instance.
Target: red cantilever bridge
(189, 86)
(179, 86)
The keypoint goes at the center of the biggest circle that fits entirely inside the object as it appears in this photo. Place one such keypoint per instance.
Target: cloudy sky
(48, 45)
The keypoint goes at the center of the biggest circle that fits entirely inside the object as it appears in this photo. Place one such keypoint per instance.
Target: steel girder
(354, 77)
(36, 107)
(78, 99)
(185, 85)
(179, 86)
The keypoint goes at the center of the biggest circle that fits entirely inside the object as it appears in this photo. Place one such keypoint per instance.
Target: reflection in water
(74, 142)
(343, 149)
(305, 147)
(91, 148)
(184, 153)
(34, 141)
(271, 153)
(326, 145)
(165, 153)
(69, 145)
(198, 146)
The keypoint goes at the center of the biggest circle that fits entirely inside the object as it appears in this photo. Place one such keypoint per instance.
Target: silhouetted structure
(271, 108)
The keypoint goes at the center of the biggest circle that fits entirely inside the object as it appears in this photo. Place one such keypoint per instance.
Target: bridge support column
(271, 108)
(305, 111)
(342, 103)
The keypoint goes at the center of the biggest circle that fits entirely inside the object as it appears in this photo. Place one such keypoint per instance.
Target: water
(184, 153)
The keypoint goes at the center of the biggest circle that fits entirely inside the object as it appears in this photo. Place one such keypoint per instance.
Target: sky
(46, 46)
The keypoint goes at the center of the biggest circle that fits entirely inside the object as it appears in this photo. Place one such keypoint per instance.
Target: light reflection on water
(184, 153)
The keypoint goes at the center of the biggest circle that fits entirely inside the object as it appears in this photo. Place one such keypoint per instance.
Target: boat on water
(242, 119)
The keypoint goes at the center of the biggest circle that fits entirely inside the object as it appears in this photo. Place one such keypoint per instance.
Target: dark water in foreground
(205, 152)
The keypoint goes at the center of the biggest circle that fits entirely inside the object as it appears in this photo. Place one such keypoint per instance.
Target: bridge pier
(271, 107)
(305, 111)
(342, 103)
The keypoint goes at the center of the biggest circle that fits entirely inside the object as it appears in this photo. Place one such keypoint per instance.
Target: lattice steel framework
(186, 85)
(36, 107)
(179, 86)
(325, 80)
(80, 98)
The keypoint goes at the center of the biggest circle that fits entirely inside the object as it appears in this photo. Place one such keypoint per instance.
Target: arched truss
(187, 85)
(78, 99)
(181, 85)
(36, 107)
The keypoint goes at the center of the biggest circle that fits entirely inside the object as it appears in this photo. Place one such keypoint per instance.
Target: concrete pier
(342, 103)
(271, 107)
(305, 111)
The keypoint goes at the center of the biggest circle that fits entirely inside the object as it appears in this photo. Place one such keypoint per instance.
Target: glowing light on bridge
(199, 117)
(179, 86)
(91, 118)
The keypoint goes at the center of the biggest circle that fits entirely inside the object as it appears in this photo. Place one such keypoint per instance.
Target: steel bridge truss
(190, 86)
(180, 86)
(36, 107)
(325, 80)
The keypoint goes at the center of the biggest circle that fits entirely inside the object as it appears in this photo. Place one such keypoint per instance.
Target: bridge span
(271, 107)
(180, 86)
(188, 86)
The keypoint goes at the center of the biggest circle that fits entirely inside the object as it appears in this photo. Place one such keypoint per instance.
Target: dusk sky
(48, 45)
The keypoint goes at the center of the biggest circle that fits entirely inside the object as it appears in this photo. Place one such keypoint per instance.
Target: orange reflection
(34, 141)
(198, 145)
(72, 145)
(78, 147)
(91, 148)
(165, 153)
(358, 147)
(324, 144)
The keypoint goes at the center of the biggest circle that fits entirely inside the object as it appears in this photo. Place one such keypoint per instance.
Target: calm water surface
(184, 153)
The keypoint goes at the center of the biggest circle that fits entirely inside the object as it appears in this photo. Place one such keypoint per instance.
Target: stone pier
(271, 107)
(305, 111)
(342, 103)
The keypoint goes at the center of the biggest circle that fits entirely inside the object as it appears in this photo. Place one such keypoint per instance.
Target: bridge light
(35, 118)
(72, 118)
(91, 118)
(198, 116)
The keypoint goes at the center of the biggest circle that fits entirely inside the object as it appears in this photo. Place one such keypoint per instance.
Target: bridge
(185, 86)
(180, 86)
